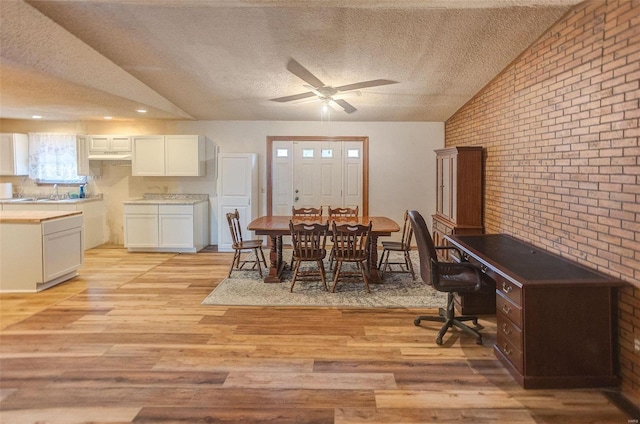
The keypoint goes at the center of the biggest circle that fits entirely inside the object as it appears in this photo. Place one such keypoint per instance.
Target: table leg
(275, 259)
(374, 275)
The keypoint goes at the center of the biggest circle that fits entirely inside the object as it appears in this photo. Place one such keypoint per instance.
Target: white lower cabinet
(140, 226)
(175, 224)
(165, 228)
(21, 206)
(38, 255)
(94, 222)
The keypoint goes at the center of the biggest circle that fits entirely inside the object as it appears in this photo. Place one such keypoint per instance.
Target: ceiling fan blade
(304, 74)
(293, 97)
(365, 84)
(314, 91)
(348, 107)
(346, 94)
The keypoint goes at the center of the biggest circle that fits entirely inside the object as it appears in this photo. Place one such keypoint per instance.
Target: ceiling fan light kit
(331, 97)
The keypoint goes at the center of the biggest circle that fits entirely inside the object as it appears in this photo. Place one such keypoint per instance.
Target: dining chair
(343, 212)
(448, 277)
(403, 246)
(351, 245)
(340, 213)
(309, 245)
(311, 212)
(305, 212)
(240, 245)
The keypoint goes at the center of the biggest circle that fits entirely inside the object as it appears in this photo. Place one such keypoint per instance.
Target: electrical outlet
(636, 345)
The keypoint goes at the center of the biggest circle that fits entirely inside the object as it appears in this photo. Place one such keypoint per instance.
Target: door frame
(365, 164)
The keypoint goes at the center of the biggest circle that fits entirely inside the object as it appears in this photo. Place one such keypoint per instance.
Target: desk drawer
(511, 352)
(508, 309)
(509, 330)
(508, 289)
(504, 286)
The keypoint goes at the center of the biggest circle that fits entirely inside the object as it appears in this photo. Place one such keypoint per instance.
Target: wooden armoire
(459, 211)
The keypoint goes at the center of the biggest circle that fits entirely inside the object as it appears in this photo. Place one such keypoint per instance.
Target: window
(282, 153)
(353, 153)
(307, 153)
(52, 158)
(327, 153)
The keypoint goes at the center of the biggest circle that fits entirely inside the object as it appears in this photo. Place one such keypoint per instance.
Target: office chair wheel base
(475, 322)
(479, 340)
(416, 321)
(439, 341)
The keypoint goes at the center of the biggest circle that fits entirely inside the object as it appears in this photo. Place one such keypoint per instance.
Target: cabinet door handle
(505, 329)
(506, 287)
(506, 349)
(506, 309)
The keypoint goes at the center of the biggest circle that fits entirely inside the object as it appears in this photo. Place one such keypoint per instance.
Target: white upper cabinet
(14, 154)
(168, 155)
(148, 155)
(109, 147)
(82, 155)
(109, 143)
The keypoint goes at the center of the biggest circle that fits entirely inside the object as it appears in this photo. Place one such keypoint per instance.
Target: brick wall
(562, 170)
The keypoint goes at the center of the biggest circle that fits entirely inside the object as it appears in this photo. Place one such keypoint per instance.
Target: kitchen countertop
(33, 217)
(30, 200)
(168, 199)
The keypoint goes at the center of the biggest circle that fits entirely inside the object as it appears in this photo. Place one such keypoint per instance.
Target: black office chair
(449, 277)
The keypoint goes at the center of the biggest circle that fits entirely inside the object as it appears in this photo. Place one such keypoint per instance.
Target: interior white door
(237, 189)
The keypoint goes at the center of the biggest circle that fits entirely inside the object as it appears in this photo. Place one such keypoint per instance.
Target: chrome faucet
(54, 195)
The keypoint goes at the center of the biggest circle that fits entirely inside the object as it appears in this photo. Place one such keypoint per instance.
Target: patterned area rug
(246, 288)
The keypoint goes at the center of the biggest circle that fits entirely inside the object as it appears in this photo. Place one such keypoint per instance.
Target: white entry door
(316, 173)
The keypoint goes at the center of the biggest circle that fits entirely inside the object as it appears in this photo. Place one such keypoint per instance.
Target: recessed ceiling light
(141, 110)
(108, 117)
(36, 116)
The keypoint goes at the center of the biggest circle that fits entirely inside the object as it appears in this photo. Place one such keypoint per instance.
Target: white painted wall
(401, 160)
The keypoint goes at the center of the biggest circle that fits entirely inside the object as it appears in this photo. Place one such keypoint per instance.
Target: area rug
(246, 288)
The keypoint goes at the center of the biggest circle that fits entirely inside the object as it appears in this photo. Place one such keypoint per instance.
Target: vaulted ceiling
(226, 59)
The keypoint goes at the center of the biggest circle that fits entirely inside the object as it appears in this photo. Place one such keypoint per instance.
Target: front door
(316, 173)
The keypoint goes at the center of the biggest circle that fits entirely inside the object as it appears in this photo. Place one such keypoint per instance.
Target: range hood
(110, 156)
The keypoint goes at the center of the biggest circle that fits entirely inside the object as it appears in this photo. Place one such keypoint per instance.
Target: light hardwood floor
(128, 341)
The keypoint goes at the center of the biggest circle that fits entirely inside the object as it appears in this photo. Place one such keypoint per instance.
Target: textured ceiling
(224, 59)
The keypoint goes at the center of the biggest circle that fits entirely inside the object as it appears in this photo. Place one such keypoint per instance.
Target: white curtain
(52, 157)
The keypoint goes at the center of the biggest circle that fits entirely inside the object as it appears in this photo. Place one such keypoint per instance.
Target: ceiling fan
(331, 96)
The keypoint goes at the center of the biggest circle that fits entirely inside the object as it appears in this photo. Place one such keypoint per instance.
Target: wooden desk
(277, 226)
(555, 318)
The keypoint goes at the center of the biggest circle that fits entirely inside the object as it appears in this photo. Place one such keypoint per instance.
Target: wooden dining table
(277, 226)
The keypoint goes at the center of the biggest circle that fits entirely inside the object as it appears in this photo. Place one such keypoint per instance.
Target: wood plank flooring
(129, 342)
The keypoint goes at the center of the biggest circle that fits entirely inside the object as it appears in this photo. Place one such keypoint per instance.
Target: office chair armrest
(462, 258)
(454, 268)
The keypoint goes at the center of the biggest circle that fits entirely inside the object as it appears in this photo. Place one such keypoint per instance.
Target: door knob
(297, 191)
(295, 199)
